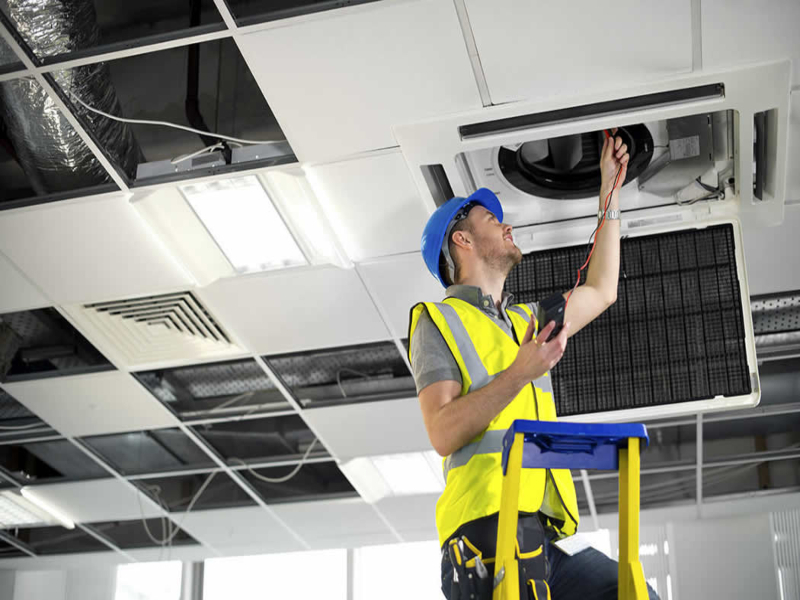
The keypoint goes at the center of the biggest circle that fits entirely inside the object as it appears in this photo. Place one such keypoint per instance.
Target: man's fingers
(617, 143)
(622, 150)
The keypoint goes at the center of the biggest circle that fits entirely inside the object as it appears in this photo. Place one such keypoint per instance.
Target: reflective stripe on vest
(476, 368)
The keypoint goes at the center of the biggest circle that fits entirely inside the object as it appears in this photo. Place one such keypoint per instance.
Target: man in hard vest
(479, 365)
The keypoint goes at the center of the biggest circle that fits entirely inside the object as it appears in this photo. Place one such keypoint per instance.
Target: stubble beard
(502, 260)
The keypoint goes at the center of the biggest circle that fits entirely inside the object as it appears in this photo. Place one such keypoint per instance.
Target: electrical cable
(173, 533)
(167, 124)
(185, 157)
(285, 478)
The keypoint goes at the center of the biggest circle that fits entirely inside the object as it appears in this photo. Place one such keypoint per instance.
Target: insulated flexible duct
(54, 157)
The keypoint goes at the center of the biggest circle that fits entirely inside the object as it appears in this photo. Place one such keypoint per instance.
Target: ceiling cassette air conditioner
(707, 151)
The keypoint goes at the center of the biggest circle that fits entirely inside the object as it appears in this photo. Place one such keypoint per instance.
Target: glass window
(149, 581)
(296, 575)
(377, 565)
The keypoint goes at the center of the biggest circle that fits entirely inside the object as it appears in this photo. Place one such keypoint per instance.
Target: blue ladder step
(554, 445)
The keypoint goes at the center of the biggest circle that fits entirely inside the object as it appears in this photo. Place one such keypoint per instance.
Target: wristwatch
(611, 215)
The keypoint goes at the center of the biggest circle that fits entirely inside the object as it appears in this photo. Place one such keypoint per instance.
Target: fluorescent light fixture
(247, 227)
(44, 505)
(295, 198)
(376, 477)
(16, 511)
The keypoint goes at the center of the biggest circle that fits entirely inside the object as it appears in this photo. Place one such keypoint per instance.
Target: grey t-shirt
(431, 359)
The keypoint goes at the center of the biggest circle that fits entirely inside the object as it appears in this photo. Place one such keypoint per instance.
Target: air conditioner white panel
(532, 50)
(746, 90)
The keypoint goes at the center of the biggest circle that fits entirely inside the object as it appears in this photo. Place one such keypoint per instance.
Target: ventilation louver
(154, 330)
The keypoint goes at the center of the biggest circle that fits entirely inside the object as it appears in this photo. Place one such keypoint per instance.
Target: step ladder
(554, 445)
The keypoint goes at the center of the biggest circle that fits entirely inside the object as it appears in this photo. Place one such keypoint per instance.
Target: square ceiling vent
(154, 331)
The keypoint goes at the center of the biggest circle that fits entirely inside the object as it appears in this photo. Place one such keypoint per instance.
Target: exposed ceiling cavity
(41, 342)
(344, 375)
(215, 390)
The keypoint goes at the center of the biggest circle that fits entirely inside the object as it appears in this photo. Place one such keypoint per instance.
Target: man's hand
(534, 359)
(614, 155)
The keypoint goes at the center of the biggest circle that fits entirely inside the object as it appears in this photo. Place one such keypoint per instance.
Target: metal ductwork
(776, 324)
(52, 154)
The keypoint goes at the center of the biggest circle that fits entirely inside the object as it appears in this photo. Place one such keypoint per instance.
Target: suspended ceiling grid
(65, 254)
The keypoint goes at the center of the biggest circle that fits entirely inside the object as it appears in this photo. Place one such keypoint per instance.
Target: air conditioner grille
(675, 334)
(156, 329)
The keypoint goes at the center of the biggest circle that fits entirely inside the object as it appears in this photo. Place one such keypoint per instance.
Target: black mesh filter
(675, 334)
(337, 375)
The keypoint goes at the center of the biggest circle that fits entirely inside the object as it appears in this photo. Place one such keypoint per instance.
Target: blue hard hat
(436, 227)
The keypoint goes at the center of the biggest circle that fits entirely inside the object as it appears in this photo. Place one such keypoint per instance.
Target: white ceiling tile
(770, 253)
(398, 283)
(248, 530)
(411, 514)
(531, 50)
(343, 80)
(335, 523)
(16, 290)
(98, 500)
(370, 428)
(89, 250)
(295, 310)
(793, 172)
(92, 404)
(747, 31)
(373, 204)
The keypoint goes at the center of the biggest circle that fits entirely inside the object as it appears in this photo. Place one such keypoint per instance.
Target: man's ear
(461, 239)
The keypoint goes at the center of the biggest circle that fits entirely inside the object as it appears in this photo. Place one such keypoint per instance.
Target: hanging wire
(285, 478)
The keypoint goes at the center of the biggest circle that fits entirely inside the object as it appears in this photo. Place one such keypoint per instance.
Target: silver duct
(776, 324)
(54, 157)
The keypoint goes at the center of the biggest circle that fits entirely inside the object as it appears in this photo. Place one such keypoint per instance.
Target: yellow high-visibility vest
(473, 474)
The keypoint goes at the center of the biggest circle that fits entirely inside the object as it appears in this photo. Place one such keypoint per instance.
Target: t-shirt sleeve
(431, 359)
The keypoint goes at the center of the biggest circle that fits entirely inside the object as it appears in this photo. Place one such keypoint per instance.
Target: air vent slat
(155, 329)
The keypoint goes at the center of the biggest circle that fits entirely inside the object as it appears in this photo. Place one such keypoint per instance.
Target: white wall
(724, 558)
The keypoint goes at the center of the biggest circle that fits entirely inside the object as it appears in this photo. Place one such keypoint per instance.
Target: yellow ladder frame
(631, 585)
